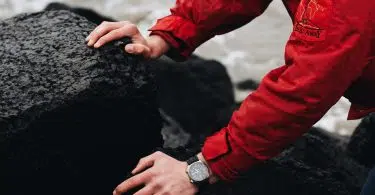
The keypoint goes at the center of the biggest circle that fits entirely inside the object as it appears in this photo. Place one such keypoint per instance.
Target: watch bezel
(206, 171)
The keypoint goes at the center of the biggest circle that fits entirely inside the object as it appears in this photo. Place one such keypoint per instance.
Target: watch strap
(192, 159)
(202, 184)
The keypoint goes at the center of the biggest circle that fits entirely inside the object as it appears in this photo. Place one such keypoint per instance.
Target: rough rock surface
(311, 166)
(197, 93)
(362, 142)
(89, 14)
(73, 120)
(196, 96)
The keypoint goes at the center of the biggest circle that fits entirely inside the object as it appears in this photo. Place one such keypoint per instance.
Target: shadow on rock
(196, 96)
(362, 142)
(73, 120)
(310, 166)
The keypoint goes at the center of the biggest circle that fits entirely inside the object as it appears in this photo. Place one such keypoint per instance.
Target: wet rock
(362, 142)
(73, 120)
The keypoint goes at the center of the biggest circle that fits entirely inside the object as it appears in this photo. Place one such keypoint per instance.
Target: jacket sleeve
(290, 99)
(192, 22)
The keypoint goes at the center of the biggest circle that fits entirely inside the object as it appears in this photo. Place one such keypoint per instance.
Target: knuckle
(152, 185)
(157, 183)
(153, 173)
(132, 181)
(99, 29)
(138, 49)
(155, 186)
(142, 160)
(117, 33)
(101, 40)
(162, 161)
(132, 27)
(103, 25)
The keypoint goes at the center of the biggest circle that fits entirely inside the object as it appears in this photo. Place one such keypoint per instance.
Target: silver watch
(197, 171)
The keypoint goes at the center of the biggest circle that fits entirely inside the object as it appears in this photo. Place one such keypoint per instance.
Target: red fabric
(195, 21)
(328, 55)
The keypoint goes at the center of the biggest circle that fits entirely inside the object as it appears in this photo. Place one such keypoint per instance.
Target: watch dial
(198, 171)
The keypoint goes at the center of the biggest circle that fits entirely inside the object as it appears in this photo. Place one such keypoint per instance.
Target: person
(330, 54)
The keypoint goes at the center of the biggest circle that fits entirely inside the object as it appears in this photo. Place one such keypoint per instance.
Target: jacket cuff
(182, 35)
(226, 159)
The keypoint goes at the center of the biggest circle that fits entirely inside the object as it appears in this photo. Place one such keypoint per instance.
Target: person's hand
(164, 175)
(152, 47)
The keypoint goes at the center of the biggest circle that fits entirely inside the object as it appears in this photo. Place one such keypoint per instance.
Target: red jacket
(328, 55)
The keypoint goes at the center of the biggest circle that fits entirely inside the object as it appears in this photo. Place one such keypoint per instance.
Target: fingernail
(97, 45)
(87, 38)
(90, 42)
(129, 48)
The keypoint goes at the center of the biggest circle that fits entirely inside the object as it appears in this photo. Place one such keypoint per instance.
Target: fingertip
(134, 171)
(129, 48)
(90, 42)
(97, 45)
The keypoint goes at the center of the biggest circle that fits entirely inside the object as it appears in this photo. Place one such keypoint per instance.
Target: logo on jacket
(310, 19)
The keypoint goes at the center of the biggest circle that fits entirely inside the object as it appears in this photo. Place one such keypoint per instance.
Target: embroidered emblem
(311, 19)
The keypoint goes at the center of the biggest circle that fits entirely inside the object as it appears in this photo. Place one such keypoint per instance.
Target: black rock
(197, 93)
(89, 14)
(247, 85)
(362, 142)
(73, 120)
(311, 166)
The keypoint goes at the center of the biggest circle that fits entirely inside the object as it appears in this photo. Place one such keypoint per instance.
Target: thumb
(138, 49)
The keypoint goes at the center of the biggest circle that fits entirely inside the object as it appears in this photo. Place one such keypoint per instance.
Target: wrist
(213, 178)
(157, 45)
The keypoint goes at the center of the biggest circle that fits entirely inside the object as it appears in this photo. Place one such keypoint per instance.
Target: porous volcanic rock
(89, 14)
(197, 93)
(362, 142)
(313, 165)
(73, 120)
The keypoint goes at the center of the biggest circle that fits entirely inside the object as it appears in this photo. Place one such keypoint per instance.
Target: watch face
(198, 171)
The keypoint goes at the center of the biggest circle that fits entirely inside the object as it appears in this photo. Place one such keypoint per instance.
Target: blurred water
(249, 52)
